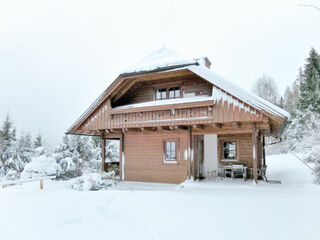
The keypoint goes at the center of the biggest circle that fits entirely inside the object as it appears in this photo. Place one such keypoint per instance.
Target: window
(229, 151)
(165, 93)
(161, 94)
(170, 150)
(174, 92)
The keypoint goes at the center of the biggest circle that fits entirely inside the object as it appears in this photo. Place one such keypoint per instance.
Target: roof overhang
(277, 116)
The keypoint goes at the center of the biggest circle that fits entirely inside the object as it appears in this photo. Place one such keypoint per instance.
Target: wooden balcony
(183, 114)
(168, 117)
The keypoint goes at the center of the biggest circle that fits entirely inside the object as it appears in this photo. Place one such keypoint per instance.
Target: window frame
(236, 152)
(164, 147)
(158, 90)
(168, 92)
(174, 92)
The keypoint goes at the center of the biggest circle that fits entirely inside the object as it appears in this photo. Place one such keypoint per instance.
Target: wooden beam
(264, 151)
(148, 129)
(255, 153)
(133, 129)
(236, 124)
(103, 152)
(180, 127)
(198, 126)
(216, 125)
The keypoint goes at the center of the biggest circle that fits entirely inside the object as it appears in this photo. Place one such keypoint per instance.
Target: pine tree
(281, 102)
(25, 148)
(38, 141)
(310, 84)
(8, 158)
(96, 141)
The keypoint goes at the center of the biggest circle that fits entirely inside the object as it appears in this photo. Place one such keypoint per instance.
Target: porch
(229, 156)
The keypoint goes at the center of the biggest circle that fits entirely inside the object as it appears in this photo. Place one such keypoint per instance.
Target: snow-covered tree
(38, 141)
(68, 157)
(266, 88)
(8, 143)
(291, 95)
(310, 84)
(25, 148)
(112, 150)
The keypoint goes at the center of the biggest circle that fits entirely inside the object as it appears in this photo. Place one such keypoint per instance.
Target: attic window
(168, 93)
(174, 92)
(161, 94)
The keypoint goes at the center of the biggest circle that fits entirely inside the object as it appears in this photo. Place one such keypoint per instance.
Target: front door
(198, 157)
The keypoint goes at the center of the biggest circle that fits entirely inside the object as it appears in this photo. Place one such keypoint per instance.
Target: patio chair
(226, 170)
(239, 170)
(261, 173)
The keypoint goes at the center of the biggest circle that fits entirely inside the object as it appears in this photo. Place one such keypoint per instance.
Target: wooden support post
(121, 158)
(103, 151)
(255, 153)
(264, 151)
(41, 184)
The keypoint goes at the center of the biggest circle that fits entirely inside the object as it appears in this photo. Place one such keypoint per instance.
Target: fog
(56, 57)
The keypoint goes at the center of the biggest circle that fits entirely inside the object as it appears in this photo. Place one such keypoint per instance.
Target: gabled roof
(165, 60)
(245, 96)
(160, 60)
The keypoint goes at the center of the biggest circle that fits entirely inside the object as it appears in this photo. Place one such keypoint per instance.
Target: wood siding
(144, 91)
(244, 149)
(144, 157)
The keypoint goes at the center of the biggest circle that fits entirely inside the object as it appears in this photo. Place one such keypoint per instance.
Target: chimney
(204, 61)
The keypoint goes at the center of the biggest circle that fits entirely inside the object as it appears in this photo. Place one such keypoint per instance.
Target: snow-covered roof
(165, 60)
(162, 58)
(166, 102)
(245, 96)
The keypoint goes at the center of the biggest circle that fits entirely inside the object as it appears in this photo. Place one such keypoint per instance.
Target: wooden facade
(125, 111)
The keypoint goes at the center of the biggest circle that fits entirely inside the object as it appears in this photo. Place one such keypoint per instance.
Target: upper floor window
(174, 92)
(166, 93)
(161, 94)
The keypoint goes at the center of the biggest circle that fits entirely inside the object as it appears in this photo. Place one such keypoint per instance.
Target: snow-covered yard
(201, 210)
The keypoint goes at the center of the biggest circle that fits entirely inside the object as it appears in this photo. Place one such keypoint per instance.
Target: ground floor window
(170, 150)
(229, 151)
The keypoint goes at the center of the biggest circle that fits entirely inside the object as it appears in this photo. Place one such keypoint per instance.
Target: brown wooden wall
(144, 91)
(144, 157)
(244, 149)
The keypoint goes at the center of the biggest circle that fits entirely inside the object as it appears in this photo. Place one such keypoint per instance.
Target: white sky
(56, 57)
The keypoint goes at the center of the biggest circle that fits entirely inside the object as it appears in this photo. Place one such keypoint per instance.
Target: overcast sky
(56, 57)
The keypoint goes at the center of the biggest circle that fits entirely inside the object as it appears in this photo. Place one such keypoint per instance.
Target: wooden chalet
(176, 119)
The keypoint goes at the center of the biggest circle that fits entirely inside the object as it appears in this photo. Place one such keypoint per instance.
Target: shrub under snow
(41, 166)
(95, 181)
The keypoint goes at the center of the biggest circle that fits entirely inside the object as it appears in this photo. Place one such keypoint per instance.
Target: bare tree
(266, 88)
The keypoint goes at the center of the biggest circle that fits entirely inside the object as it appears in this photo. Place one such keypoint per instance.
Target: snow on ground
(192, 210)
